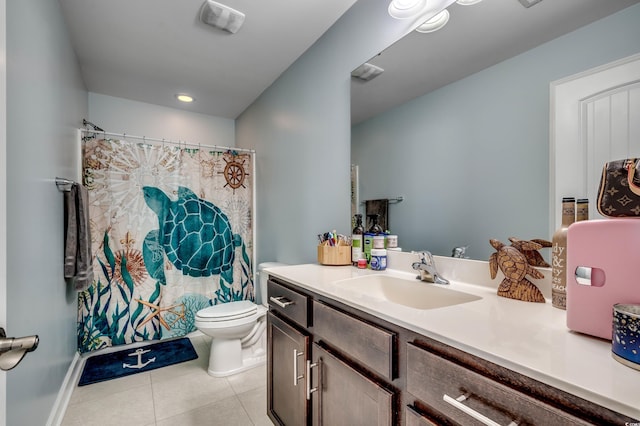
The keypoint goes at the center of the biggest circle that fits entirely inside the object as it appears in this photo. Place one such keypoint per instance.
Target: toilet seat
(227, 311)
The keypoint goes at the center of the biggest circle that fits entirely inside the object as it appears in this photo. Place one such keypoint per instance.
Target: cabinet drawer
(454, 391)
(370, 345)
(289, 303)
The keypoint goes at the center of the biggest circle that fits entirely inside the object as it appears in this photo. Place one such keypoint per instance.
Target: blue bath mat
(123, 363)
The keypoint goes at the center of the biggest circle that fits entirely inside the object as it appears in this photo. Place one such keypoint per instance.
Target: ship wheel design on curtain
(234, 171)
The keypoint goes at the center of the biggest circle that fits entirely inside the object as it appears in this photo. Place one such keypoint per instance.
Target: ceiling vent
(366, 72)
(221, 16)
(529, 3)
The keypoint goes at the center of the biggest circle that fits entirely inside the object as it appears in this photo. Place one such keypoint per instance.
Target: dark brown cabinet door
(286, 360)
(346, 397)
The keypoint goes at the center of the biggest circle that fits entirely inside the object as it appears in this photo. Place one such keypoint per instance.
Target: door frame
(567, 154)
(3, 197)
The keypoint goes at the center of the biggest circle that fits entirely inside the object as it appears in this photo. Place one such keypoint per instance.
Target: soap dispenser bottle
(375, 228)
(559, 255)
(357, 239)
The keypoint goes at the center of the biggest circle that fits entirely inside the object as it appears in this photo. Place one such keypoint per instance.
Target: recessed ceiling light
(403, 9)
(468, 2)
(182, 97)
(435, 23)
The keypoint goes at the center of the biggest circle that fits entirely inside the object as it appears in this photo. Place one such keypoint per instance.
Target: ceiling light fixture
(404, 9)
(221, 16)
(366, 72)
(183, 97)
(468, 2)
(435, 23)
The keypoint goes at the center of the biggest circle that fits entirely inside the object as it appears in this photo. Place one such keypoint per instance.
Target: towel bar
(391, 200)
(64, 184)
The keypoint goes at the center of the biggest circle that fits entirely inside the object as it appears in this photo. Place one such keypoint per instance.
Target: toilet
(238, 331)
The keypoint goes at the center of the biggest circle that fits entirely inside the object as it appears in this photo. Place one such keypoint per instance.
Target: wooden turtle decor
(533, 256)
(515, 267)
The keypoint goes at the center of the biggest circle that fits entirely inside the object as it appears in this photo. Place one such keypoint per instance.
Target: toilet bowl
(237, 331)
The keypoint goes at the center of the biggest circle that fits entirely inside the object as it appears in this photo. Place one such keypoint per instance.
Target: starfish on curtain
(158, 310)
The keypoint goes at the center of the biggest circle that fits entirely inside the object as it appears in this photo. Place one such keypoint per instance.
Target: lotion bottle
(582, 209)
(357, 240)
(559, 255)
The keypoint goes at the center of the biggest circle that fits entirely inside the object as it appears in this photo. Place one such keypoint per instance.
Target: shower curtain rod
(146, 139)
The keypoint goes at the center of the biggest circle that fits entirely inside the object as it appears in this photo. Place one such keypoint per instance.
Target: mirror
(457, 123)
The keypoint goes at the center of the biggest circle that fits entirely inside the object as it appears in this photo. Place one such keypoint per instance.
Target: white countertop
(529, 338)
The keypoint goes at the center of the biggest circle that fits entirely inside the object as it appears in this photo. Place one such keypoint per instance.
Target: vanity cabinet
(288, 351)
(343, 381)
(332, 364)
(465, 397)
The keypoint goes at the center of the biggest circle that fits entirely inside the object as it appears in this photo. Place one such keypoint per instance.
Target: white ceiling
(149, 50)
(476, 37)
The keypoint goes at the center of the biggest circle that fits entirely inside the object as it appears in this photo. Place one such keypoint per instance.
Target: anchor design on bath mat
(140, 364)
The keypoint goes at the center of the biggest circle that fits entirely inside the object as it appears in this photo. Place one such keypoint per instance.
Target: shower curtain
(171, 233)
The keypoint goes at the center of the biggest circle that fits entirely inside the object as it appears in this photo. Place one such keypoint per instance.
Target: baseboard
(64, 395)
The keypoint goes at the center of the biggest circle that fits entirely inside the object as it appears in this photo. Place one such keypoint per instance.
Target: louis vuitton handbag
(619, 191)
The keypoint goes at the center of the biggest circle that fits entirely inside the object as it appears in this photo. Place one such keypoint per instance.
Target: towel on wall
(78, 264)
(381, 208)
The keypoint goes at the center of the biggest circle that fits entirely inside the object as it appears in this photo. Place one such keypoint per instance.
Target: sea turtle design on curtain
(194, 234)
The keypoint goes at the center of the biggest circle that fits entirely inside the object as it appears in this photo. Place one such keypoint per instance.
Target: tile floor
(181, 394)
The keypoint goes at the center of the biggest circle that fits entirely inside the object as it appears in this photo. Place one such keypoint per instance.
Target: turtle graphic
(533, 256)
(194, 234)
(515, 267)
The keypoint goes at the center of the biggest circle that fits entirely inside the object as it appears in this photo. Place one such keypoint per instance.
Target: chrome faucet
(459, 252)
(427, 268)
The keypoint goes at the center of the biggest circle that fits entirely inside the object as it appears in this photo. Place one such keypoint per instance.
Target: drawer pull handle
(296, 377)
(279, 301)
(309, 389)
(457, 403)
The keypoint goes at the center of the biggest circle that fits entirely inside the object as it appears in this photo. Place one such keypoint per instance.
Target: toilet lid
(228, 311)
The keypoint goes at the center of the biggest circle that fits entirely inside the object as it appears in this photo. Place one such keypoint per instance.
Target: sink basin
(411, 293)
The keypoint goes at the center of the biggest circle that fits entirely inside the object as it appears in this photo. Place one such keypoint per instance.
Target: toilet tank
(263, 277)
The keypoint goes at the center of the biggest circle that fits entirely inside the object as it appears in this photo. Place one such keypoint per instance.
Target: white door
(595, 118)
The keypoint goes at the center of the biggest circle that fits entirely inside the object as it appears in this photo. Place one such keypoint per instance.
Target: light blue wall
(46, 102)
(440, 150)
(300, 129)
(120, 115)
